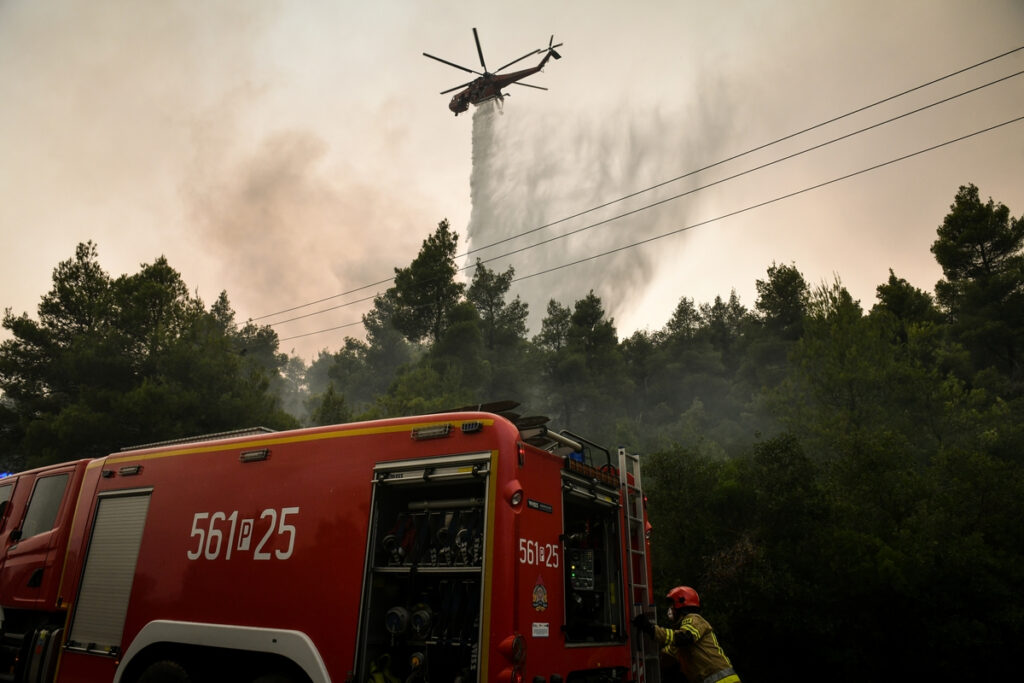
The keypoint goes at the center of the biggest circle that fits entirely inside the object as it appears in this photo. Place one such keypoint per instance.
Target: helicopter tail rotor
(551, 48)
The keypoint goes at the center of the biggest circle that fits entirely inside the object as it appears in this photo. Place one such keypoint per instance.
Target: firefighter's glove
(642, 623)
(682, 638)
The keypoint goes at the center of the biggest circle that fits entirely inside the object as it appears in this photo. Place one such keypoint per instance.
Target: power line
(647, 189)
(327, 310)
(737, 212)
(329, 329)
(743, 173)
(752, 150)
(320, 301)
(688, 192)
(772, 201)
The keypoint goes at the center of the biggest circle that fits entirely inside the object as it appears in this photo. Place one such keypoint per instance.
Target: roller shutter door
(109, 572)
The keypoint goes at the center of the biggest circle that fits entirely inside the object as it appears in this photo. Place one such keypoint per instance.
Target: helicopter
(489, 84)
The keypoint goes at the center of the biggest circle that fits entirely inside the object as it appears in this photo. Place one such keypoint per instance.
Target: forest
(841, 481)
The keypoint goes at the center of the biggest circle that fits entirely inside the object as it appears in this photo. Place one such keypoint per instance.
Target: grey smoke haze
(286, 152)
(279, 218)
(182, 129)
(531, 170)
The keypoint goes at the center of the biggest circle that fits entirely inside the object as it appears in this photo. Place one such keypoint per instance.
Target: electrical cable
(751, 151)
(320, 301)
(736, 212)
(332, 308)
(743, 173)
(773, 200)
(652, 187)
(329, 329)
(688, 192)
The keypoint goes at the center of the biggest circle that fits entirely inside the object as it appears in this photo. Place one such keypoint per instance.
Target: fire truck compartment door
(98, 623)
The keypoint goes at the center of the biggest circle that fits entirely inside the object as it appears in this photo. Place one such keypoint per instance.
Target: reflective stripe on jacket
(723, 676)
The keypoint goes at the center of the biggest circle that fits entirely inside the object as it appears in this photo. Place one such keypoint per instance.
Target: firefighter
(690, 639)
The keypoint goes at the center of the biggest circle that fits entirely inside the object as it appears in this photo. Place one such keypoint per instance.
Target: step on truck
(456, 547)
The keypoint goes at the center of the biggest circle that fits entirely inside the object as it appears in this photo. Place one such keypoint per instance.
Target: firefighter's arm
(686, 635)
(662, 636)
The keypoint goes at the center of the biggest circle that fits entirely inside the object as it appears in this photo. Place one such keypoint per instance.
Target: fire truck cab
(35, 521)
(454, 547)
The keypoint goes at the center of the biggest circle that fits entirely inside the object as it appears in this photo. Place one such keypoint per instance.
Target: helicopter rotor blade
(527, 85)
(445, 92)
(528, 54)
(445, 61)
(479, 51)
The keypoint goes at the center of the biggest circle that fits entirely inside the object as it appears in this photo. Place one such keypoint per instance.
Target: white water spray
(530, 170)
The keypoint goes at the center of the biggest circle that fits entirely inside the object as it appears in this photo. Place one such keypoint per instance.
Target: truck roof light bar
(432, 432)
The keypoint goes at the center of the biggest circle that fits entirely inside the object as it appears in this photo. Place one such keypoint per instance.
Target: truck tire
(165, 671)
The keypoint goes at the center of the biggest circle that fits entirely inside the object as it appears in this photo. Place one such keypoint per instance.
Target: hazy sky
(289, 151)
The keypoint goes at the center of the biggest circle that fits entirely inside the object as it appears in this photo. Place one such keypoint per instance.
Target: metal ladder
(646, 660)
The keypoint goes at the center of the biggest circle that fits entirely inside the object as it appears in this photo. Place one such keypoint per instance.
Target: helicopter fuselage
(489, 84)
(488, 87)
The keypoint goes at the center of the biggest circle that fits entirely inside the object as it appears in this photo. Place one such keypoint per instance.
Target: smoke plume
(289, 223)
(531, 170)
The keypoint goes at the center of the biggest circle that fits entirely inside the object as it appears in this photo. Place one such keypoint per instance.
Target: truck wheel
(165, 671)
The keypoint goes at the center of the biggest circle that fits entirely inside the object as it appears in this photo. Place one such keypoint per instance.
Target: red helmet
(683, 596)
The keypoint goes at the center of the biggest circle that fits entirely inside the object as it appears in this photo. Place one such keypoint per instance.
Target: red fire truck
(455, 547)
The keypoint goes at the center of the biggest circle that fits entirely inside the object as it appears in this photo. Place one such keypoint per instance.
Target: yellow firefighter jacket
(697, 650)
